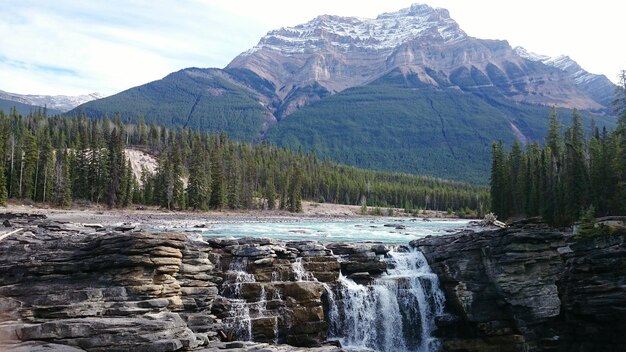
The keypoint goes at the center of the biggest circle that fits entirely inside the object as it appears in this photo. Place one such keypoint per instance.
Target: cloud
(113, 45)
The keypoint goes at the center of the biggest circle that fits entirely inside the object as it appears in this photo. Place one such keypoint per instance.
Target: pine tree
(116, 152)
(270, 191)
(3, 139)
(177, 179)
(218, 186)
(576, 177)
(29, 166)
(498, 181)
(619, 164)
(198, 187)
(63, 180)
(294, 200)
(586, 227)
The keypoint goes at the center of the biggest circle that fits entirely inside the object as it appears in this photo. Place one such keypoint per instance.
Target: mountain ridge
(60, 103)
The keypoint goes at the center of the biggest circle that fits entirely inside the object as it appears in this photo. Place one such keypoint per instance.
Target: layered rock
(419, 44)
(593, 292)
(92, 288)
(530, 288)
(69, 287)
(100, 292)
(500, 287)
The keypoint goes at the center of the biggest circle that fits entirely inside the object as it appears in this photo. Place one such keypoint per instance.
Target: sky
(74, 47)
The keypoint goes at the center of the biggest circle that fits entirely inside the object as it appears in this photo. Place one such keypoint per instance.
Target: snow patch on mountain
(61, 103)
(386, 32)
(562, 62)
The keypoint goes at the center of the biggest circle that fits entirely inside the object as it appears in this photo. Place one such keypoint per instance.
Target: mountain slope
(600, 88)
(393, 124)
(335, 53)
(203, 99)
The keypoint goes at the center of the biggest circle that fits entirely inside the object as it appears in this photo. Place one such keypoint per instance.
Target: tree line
(62, 160)
(569, 175)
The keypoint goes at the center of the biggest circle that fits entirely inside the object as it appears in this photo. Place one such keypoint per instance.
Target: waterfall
(239, 319)
(396, 312)
(300, 273)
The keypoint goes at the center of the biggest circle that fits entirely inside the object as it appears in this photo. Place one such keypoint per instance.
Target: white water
(300, 273)
(239, 318)
(396, 313)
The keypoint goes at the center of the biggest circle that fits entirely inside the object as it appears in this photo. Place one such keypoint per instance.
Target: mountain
(24, 109)
(599, 87)
(406, 91)
(204, 99)
(54, 103)
(331, 53)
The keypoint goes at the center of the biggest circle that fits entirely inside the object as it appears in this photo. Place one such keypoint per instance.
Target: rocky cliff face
(525, 289)
(593, 295)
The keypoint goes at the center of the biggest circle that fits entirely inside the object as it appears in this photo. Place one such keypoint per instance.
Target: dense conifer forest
(570, 176)
(60, 160)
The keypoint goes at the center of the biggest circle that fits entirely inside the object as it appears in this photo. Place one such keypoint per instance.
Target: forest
(571, 175)
(64, 160)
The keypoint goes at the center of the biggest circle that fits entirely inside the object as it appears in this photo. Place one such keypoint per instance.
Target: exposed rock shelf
(96, 289)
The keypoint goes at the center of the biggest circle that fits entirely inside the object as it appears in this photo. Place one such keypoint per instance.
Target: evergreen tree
(294, 200)
(198, 187)
(575, 178)
(587, 223)
(218, 186)
(234, 182)
(270, 192)
(63, 181)
(177, 179)
(3, 180)
(498, 181)
(29, 166)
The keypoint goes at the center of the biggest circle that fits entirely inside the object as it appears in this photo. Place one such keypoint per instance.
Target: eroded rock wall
(530, 288)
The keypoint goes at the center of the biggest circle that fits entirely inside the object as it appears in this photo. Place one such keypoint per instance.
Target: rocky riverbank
(73, 287)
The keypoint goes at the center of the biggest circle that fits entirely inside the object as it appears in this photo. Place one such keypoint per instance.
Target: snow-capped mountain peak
(385, 32)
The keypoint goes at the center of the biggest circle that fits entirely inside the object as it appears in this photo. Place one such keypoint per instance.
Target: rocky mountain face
(331, 53)
(598, 87)
(58, 103)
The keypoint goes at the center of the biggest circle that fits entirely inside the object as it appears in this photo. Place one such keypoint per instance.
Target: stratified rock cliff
(96, 289)
(524, 289)
(593, 294)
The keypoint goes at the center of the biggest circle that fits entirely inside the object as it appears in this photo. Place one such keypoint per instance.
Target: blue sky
(79, 47)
